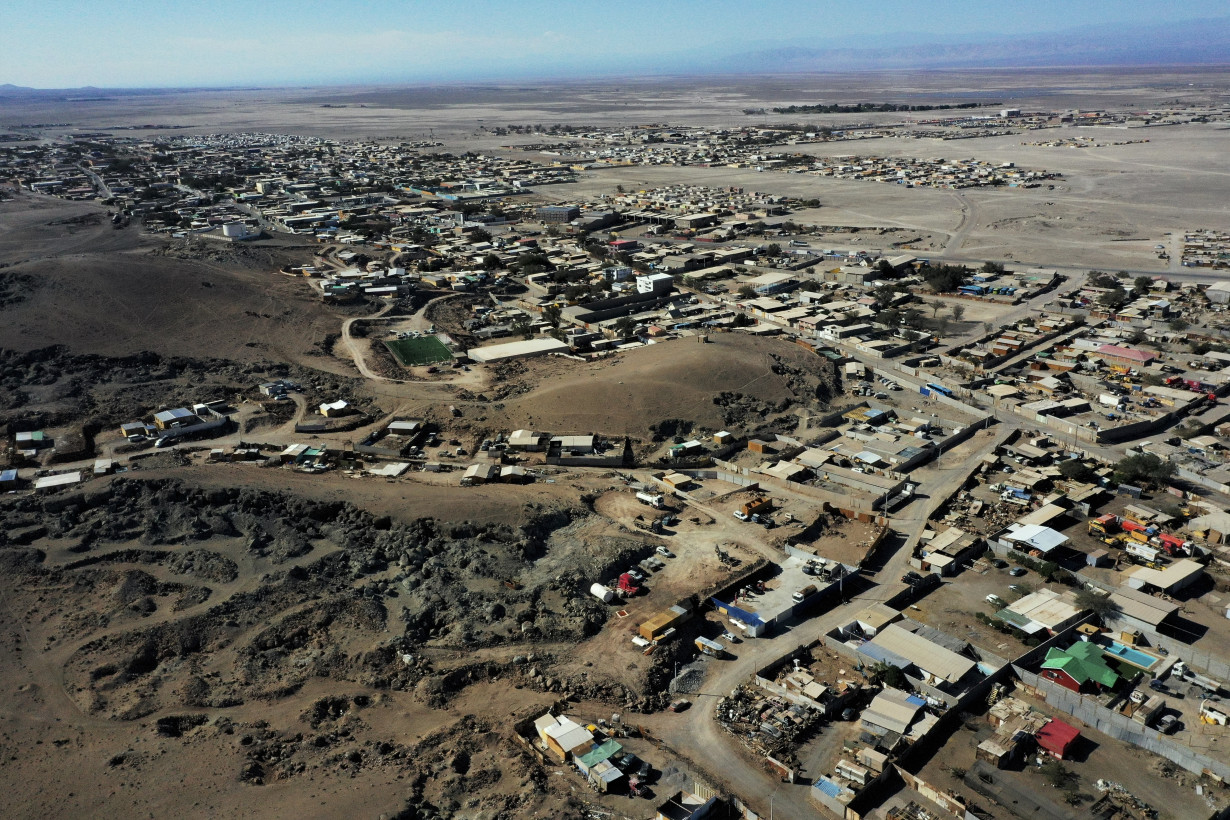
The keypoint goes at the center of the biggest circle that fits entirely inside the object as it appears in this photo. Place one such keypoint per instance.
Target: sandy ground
(99, 290)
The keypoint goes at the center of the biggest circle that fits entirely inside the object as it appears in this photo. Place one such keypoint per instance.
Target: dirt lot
(299, 644)
(1146, 776)
(952, 605)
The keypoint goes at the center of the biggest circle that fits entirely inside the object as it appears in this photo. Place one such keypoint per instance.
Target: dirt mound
(735, 380)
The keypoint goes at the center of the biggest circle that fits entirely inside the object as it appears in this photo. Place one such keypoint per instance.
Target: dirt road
(703, 740)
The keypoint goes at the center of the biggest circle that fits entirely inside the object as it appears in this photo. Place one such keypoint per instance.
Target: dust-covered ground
(226, 640)
(258, 649)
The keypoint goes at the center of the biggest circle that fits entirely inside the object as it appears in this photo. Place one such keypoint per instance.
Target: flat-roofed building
(1141, 610)
(1180, 574)
(1044, 611)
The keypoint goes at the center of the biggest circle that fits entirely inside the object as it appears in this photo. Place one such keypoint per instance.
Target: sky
(188, 43)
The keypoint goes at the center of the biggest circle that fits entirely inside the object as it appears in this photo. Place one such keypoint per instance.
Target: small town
(547, 438)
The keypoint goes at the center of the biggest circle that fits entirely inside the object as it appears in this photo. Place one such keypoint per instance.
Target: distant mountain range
(1190, 42)
(1175, 43)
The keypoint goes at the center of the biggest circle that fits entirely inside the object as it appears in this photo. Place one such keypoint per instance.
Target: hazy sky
(64, 43)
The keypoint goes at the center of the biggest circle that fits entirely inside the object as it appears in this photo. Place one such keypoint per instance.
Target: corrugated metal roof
(926, 655)
(1141, 606)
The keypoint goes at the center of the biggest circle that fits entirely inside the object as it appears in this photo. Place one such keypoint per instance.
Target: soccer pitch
(420, 351)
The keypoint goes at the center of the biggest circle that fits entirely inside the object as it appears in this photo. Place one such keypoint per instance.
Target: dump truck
(1104, 524)
(757, 505)
(1145, 713)
(1131, 525)
(652, 499)
(1172, 545)
(803, 594)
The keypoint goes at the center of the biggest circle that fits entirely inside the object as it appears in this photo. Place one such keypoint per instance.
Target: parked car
(730, 636)
(664, 552)
(1168, 725)
(742, 516)
(1018, 589)
(1017, 572)
(1157, 686)
(911, 578)
(680, 705)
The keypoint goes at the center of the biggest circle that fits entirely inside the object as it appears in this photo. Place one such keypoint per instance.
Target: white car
(664, 552)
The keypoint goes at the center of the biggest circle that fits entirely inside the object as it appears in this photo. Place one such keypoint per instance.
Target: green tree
(1143, 469)
(1141, 285)
(885, 674)
(957, 312)
(773, 249)
(1100, 605)
(491, 261)
(625, 327)
(1179, 324)
(1102, 279)
(747, 292)
(944, 278)
(1057, 774)
(1076, 470)
(523, 328)
(886, 294)
(992, 267)
(1114, 298)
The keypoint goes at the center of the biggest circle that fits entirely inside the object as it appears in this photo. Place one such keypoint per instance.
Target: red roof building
(1056, 738)
(1114, 354)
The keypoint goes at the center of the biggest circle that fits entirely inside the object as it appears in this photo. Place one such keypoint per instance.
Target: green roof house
(1080, 668)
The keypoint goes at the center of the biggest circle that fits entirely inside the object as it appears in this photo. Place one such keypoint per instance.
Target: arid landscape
(213, 626)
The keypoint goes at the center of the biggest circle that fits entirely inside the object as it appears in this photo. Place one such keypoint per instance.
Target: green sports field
(420, 351)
